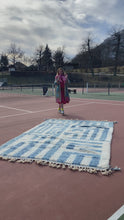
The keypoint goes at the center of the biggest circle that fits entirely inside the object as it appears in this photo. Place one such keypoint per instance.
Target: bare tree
(117, 44)
(27, 60)
(15, 53)
(87, 49)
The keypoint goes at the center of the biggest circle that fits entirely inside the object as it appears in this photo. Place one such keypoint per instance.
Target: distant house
(68, 67)
(17, 67)
(20, 66)
(11, 68)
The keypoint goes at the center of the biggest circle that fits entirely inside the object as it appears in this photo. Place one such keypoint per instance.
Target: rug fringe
(24, 161)
(14, 159)
(105, 172)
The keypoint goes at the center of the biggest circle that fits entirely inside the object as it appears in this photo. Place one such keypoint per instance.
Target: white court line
(70, 106)
(7, 116)
(117, 214)
(45, 110)
(87, 103)
(18, 109)
(97, 100)
(108, 103)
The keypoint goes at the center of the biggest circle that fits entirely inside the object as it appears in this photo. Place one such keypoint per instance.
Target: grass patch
(121, 217)
(39, 91)
(103, 96)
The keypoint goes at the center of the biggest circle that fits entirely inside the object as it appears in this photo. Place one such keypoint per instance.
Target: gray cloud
(16, 18)
(57, 22)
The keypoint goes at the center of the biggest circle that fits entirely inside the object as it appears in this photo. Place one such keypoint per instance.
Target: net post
(109, 88)
(53, 89)
(87, 87)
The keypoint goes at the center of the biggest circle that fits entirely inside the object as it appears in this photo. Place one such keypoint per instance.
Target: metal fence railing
(41, 89)
(88, 90)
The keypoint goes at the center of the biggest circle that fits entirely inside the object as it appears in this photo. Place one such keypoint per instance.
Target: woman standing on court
(61, 89)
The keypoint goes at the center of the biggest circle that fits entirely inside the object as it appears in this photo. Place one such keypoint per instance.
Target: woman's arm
(56, 80)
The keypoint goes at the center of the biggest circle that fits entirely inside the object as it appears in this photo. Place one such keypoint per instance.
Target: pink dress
(62, 96)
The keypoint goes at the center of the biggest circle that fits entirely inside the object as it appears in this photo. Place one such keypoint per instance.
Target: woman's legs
(59, 109)
(60, 106)
(62, 109)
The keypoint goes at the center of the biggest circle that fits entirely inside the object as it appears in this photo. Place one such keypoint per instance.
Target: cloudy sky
(58, 23)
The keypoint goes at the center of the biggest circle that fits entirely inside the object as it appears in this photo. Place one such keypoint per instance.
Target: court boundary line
(86, 102)
(109, 103)
(70, 106)
(44, 110)
(117, 214)
(97, 100)
(17, 109)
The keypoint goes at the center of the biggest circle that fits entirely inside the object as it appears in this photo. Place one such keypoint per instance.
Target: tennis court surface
(29, 191)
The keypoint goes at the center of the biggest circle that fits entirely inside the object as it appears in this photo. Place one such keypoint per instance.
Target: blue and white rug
(77, 144)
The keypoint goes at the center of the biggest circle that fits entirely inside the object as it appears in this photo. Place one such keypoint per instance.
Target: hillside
(107, 54)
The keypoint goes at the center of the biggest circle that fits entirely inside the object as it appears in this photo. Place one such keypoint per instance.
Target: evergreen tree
(58, 58)
(4, 62)
(47, 59)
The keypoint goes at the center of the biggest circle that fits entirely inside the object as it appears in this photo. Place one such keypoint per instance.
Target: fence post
(87, 87)
(109, 85)
(53, 89)
(82, 86)
(32, 88)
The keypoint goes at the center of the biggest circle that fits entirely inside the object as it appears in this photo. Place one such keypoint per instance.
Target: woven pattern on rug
(77, 144)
